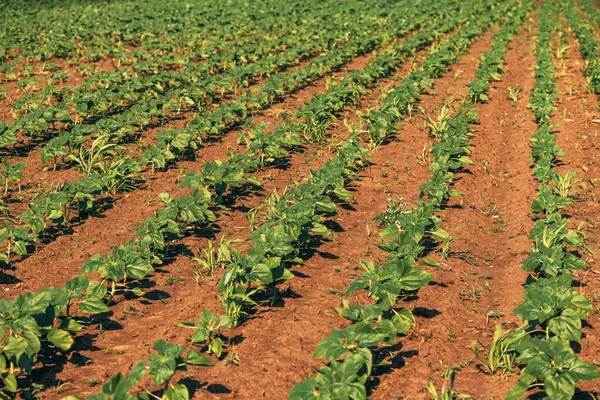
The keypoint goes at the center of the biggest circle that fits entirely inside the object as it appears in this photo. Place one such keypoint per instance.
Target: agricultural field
(263, 199)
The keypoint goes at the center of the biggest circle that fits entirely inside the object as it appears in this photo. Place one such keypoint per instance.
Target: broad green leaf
(161, 368)
(60, 338)
(262, 273)
(403, 320)
(216, 347)
(77, 285)
(559, 387)
(440, 235)
(69, 324)
(567, 325)
(93, 305)
(136, 373)
(330, 348)
(430, 263)
(179, 392)
(414, 279)
(253, 180)
(583, 371)
(94, 264)
(96, 289)
(139, 269)
(305, 390)
(10, 381)
(196, 358)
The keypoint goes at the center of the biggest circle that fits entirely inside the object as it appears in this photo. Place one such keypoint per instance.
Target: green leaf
(365, 356)
(253, 180)
(305, 390)
(567, 325)
(136, 373)
(69, 324)
(161, 368)
(20, 248)
(465, 160)
(414, 279)
(117, 386)
(10, 381)
(28, 344)
(517, 391)
(179, 392)
(326, 205)
(403, 320)
(93, 305)
(330, 348)
(94, 264)
(440, 235)
(96, 289)
(77, 285)
(390, 232)
(262, 273)
(139, 269)
(559, 387)
(216, 347)
(60, 338)
(320, 229)
(583, 371)
(196, 358)
(430, 263)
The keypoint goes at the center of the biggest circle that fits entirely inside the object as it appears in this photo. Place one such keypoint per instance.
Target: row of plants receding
(45, 320)
(112, 176)
(263, 37)
(588, 46)
(354, 352)
(218, 57)
(294, 217)
(100, 43)
(161, 98)
(276, 242)
(133, 261)
(77, 199)
(121, 106)
(553, 310)
(116, 129)
(124, 30)
(211, 121)
(107, 92)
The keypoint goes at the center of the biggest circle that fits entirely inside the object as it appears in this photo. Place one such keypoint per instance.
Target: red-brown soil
(490, 225)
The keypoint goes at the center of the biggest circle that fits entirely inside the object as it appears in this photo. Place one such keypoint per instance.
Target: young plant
(501, 355)
(208, 331)
(514, 93)
(11, 173)
(439, 124)
(447, 392)
(161, 367)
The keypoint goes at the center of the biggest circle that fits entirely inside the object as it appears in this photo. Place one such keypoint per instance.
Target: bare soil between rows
(490, 224)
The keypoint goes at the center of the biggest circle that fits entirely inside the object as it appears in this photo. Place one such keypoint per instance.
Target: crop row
(553, 310)
(39, 329)
(128, 263)
(121, 87)
(352, 351)
(294, 216)
(281, 233)
(46, 31)
(118, 106)
(77, 198)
